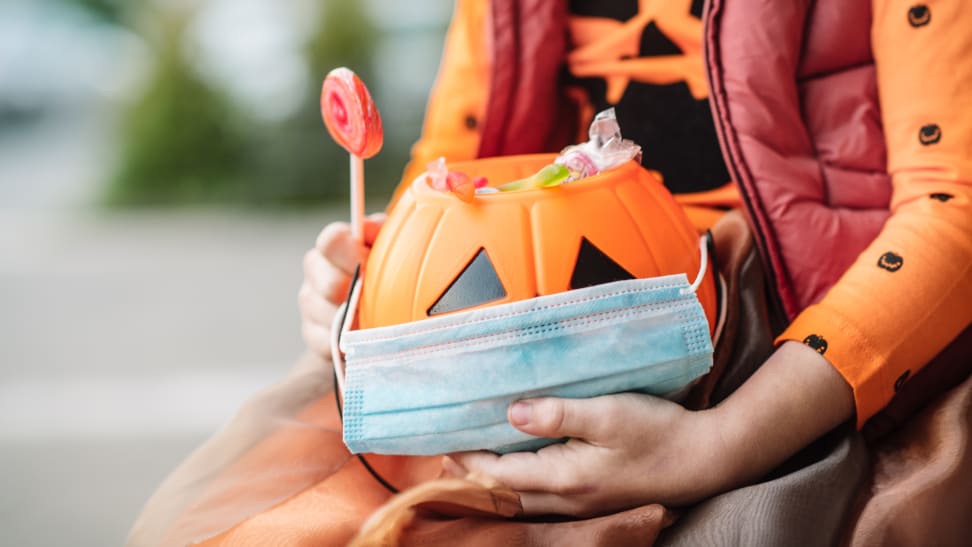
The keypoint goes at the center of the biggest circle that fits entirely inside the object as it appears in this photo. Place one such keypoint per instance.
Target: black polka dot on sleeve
(929, 134)
(817, 342)
(919, 15)
(891, 262)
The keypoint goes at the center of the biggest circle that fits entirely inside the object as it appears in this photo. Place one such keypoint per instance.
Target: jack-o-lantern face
(890, 262)
(477, 284)
(437, 254)
(930, 134)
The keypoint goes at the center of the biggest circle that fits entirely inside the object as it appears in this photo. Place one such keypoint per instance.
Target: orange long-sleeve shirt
(910, 292)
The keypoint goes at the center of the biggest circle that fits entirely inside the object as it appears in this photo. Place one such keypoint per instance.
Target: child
(871, 300)
(682, 456)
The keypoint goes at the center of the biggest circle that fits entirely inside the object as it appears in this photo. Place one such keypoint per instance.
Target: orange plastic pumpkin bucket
(437, 254)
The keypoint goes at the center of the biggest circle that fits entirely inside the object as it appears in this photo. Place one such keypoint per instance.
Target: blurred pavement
(127, 339)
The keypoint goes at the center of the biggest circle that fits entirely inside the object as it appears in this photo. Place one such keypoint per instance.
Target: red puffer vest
(795, 106)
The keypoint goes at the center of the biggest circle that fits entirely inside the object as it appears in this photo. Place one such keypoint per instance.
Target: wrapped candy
(436, 173)
(578, 163)
(606, 149)
(439, 177)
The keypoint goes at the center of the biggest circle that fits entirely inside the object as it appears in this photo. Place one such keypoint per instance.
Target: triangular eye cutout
(477, 284)
(594, 268)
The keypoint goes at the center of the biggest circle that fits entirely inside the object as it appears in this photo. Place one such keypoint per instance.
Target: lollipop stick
(357, 198)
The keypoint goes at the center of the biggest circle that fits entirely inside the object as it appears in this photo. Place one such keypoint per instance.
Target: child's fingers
(336, 245)
(317, 338)
(314, 308)
(521, 471)
(325, 279)
(555, 418)
(451, 469)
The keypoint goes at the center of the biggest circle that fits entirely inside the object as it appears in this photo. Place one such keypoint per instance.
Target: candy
(579, 163)
(352, 119)
(457, 178)
(350, 114)
(461, 185)
(605, 150)
(550, 176)
(436, 174)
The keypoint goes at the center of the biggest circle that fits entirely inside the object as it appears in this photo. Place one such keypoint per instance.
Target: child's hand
(328, 268)
(625, 450)
(630, 449)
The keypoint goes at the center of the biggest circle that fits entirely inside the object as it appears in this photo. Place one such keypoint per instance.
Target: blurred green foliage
(184, 141)
(181, 142)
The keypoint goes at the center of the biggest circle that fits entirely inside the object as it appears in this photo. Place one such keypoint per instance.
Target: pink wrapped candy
(464, 187)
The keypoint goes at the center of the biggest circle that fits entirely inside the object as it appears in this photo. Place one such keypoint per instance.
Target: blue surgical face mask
(443, 384)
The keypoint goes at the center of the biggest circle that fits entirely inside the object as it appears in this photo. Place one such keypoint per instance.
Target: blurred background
(163, 167)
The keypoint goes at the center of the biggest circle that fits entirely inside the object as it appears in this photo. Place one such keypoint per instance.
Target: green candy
(548, 177)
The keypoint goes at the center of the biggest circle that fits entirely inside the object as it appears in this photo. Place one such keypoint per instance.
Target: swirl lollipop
(352, 119)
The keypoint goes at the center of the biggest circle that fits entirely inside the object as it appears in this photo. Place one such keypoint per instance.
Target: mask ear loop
(706, 245)
(704, 252)
(343, 320)
(706, 248)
